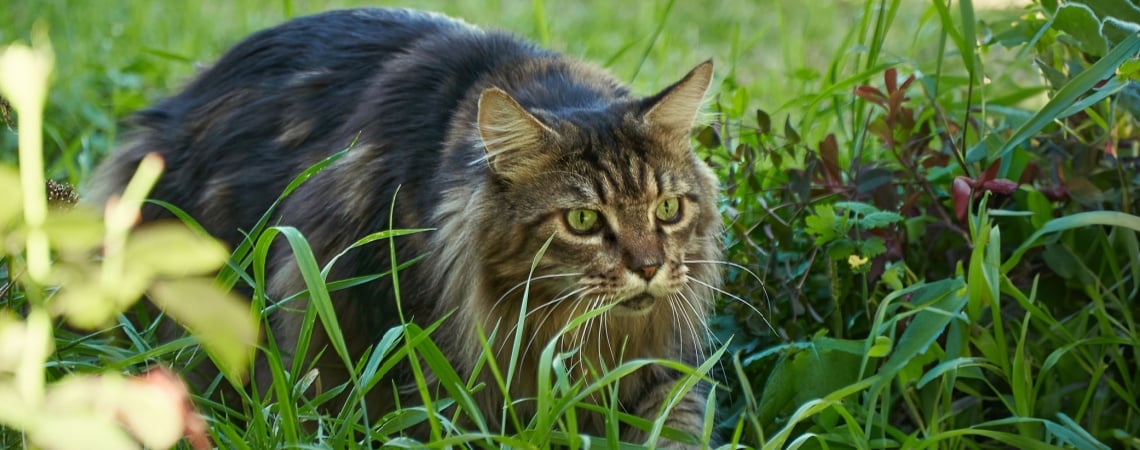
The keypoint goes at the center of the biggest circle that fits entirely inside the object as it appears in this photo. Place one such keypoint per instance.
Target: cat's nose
(647, 271)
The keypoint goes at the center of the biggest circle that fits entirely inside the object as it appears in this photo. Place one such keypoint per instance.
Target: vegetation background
(930, 204)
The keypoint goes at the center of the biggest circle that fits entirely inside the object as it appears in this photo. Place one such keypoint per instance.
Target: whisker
(698, 350)
(529, 280)
(737, 298)
(580, 292)
(763, 286)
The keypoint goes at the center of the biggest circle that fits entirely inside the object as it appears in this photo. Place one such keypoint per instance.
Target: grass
(888, 316)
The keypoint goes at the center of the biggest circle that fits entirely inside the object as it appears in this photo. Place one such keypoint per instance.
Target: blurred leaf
(220, 320)
(872, 179)
(70, 429)
(76, 229)
(1040, 206)
(872, 247)
(84, 304)
(763, 121)
(13, 205)
(1122, 10)
(170, 248)
(1116, 30)
(1081, 22)
(962, 195)
(881, 348)
(859, 208)
(155, 407)
(879, 219)
(789, 132)
(829, 155)
(708, 138)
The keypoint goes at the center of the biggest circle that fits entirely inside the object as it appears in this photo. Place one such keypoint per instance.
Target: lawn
(932, 239)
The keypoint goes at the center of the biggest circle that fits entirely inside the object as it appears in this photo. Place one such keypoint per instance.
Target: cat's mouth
(636, 305)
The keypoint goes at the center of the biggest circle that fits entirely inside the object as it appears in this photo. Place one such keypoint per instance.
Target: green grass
(885, 319)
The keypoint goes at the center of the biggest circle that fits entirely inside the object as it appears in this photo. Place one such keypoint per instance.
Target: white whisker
(737, 298)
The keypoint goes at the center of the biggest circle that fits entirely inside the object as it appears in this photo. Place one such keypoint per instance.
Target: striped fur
(490, 141)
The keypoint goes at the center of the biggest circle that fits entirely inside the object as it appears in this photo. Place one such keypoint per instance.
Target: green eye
(669, 210)
(582, 220)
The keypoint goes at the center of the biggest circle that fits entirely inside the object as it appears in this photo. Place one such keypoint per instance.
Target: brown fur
(492, 143)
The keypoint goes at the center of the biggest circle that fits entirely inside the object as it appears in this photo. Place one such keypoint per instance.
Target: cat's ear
(674, 109)
(512, 137)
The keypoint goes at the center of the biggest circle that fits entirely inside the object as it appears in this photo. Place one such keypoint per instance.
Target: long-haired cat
(498, 146)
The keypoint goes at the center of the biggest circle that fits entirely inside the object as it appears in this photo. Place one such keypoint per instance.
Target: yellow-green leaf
(75, 229)
(881, 348)
(14, 201)
(220, 320)
(172, 249)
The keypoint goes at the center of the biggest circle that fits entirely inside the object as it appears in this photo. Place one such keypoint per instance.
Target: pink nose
(647, 272)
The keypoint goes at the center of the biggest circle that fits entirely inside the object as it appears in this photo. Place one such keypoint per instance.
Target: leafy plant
(49, 253)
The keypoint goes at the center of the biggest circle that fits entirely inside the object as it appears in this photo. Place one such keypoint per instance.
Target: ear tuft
(676, 107)
(512, 137)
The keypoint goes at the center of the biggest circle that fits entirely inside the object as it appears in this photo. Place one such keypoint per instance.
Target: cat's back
(310, 62)
(287, 96)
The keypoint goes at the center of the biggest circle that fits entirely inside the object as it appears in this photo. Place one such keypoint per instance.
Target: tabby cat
(498, 146)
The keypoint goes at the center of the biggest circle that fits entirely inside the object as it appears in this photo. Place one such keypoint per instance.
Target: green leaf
(1080, 22)
(804, 375)
(220, 320)
(872, 247)
(1071, 92)
(1085, 219)
(823, 224)
(1120, 10)
(938, 304)
(880, 219)
(859, 208)
(881, 347)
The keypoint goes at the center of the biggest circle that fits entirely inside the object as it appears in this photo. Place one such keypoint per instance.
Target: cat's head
(628, 208)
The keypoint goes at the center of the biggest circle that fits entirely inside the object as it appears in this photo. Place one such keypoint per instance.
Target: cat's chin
(639, 305)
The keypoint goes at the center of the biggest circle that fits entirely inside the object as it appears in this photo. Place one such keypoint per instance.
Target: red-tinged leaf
(890, 77)
(872, 95)
(991, 172)
(935, 160)
(906, 84)
(895, 101)
(1110, 148)
(1029, 174)
(163, 387)
(1056, 193)
(1000, 186)
(962, 193)
(829, 154)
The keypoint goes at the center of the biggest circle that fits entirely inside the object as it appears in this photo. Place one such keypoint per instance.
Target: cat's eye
(582, 220)
(669, 210)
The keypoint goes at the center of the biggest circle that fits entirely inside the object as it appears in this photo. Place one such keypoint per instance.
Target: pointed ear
(675, 108)
(513, 138)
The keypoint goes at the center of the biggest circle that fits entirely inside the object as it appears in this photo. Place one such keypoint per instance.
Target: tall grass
(919, 282)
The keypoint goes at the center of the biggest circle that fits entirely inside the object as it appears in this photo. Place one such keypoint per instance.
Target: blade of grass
(1071, 92)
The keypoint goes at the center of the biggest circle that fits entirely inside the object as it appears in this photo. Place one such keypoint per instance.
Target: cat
(499, 147)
